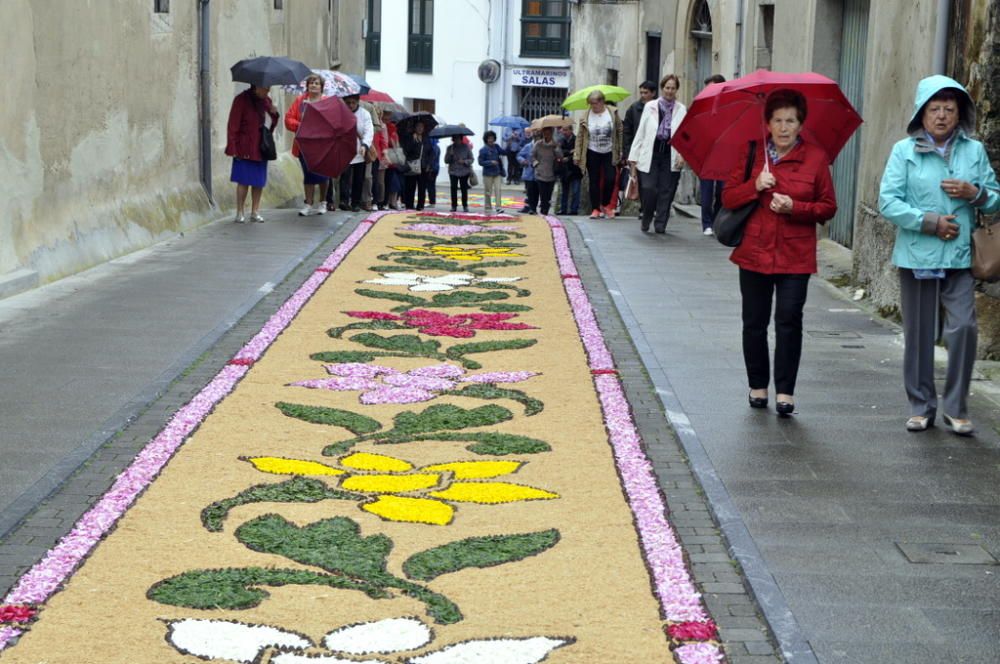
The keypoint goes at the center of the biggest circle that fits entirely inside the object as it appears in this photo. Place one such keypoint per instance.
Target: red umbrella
(328, 136)
(377, 95)
(724, 117)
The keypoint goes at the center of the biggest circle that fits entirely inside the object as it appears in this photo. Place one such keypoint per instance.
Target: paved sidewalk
(82, 357)
(830, 512)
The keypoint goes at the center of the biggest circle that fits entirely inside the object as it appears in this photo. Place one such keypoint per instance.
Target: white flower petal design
(429, 287)
(497, 279)
(295, 658)
(494, 651)
(221, 639)
(385, 636)
(392, 281)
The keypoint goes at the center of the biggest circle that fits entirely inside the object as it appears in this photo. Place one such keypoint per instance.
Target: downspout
(941, 37)
(205, 97)
(739, 40)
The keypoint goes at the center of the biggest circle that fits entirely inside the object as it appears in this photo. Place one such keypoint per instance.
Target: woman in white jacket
(659, 165)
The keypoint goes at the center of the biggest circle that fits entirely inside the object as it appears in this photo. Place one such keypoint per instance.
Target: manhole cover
(832, 334)
(946, 554)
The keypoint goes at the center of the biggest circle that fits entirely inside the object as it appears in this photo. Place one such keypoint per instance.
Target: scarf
(667, 108)
(772, 150)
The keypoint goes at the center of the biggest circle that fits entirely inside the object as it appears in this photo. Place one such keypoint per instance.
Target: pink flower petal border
(679, 600)
(46, 577)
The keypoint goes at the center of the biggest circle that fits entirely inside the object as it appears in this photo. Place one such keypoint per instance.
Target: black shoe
(661, 231)
(355, 208)
(784, 408)
(345, 207)
(645, 227)
(757, 402)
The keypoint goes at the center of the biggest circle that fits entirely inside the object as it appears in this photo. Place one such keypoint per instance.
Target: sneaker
(498, 211)
(320, 208)
(957, 426)
(596, 214)
(255, 217)
(707, 232)
(306, 210)
(240, 219)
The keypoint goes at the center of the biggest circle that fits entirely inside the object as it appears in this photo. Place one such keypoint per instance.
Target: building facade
(116, 132)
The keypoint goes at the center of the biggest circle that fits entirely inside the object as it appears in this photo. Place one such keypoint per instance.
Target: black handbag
(268, 150)
(729, 224)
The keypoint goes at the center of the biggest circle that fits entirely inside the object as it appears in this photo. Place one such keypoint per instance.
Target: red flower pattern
(13, 613)
(438, 324)
(693, 631)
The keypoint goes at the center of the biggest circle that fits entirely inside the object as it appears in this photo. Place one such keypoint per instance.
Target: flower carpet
(424, 457)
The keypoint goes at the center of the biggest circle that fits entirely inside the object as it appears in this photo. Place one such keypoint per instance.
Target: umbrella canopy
(451, 130)
(335, 84)
(578, 100)
(362, 83)
(724, 117)
(377, 95)
(396, 110)
(512, 121)
(328, 136)
(405, 124)
(268, 70)
(554, 121)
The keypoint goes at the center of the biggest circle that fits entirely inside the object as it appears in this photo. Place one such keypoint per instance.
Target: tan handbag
(986, 252)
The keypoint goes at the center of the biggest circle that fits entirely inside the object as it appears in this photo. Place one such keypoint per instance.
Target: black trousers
(415, 184)
(788, 292)
(545, 194)
(352, 181)
(659, 186)
(456, 182)
(601, 176)
(531, 198)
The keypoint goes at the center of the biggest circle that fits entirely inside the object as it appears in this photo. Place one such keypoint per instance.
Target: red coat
(246, 116)
(782, 243)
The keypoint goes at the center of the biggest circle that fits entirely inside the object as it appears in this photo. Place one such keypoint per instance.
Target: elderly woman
(246, 117)
(790, 181)
(658, 164)
(598, 149)
(931, 187)
(293, 118)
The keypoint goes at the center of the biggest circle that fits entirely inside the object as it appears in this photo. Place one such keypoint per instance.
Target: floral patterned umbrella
(335, 84)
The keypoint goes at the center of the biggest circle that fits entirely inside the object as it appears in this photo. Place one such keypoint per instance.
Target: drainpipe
(205, 97)
(941, 37)
(739, 40)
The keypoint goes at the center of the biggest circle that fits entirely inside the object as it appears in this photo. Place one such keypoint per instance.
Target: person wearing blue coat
(933, 184)
(528, 174)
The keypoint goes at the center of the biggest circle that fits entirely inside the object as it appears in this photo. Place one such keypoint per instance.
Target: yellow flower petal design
(379, 462)
(411, 510)
(465, 257)
(419, 249)
(491, 493)
(389, 483)
(280, 466)
(476, 470)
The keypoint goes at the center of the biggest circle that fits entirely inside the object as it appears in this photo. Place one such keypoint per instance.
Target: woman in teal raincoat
(933, 183)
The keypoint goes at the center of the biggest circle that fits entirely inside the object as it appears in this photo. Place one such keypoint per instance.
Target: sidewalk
(869, 543)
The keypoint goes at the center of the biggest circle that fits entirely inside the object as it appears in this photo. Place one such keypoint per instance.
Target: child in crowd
(493, 171)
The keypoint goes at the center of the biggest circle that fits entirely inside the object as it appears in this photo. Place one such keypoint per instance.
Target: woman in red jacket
(791, 183)
(246, 117)
(293, 118)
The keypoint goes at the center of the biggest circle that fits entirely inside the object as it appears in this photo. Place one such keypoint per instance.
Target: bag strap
(750, 159)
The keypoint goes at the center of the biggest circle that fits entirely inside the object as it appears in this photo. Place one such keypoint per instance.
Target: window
(161, 6)
(373, 39)
(545, 28)
(765, 37)
(420, 43)
(279, 4)
(612, 77)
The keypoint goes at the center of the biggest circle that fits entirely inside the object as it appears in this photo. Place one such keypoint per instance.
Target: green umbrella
(578, 100)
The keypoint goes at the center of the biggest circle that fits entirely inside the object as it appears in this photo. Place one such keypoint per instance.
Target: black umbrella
(451, 130)
(406, 124)
(268, 70)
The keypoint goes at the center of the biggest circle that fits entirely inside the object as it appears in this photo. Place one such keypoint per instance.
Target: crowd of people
(934, 184)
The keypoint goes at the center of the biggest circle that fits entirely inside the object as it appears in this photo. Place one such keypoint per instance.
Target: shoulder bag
(268, 151)
(729, 224)
(986, 252)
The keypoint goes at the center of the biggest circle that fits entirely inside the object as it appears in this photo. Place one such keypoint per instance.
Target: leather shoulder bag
(729, 224)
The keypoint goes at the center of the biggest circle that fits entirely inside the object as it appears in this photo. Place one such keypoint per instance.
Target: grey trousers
(921, 301)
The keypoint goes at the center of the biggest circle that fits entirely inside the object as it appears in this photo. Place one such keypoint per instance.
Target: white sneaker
(255, 217)
(240, 219)
(707, 231)
(306, 210)
(319, 208)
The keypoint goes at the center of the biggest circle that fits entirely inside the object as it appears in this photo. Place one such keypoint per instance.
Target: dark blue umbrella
(362, 82)
(512, 121)
(268, 70)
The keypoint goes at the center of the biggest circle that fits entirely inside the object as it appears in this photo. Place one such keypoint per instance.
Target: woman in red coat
(293, 119)
(246, 117)
(791, 183)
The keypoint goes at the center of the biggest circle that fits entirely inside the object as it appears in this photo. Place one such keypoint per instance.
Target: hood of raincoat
(932, 85)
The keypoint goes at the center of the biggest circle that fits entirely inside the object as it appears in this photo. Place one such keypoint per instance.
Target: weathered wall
(99, 129)
(606, 37)
(894, 66)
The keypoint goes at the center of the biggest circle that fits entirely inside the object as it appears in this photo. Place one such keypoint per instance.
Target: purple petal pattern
(450, 230)
(674, 588)
(698, 653)
(40, 582)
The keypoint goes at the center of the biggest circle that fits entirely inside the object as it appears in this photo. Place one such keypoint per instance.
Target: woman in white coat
(659, 165)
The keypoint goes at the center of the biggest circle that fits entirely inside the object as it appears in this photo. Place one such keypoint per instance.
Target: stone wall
(100, 129)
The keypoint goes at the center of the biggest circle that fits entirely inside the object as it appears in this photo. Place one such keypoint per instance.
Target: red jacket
(782, 243)
(246, 116)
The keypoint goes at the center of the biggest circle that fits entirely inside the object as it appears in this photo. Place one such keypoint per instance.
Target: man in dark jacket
(630, 125)
(569, 174)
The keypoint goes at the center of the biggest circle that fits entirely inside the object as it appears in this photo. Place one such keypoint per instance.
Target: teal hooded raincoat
(911, 196)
